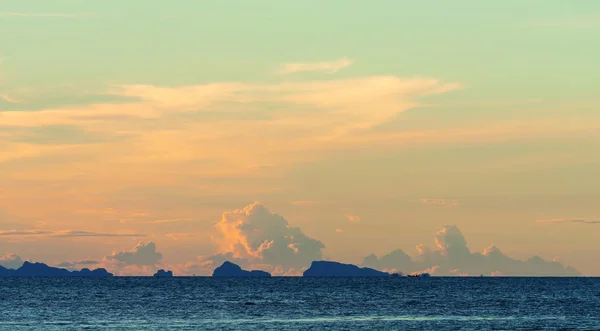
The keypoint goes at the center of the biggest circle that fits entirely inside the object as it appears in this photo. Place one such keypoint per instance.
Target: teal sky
(509, 129)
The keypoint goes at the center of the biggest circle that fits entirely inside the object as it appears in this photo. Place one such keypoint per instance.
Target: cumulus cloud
(144, 254)
(255, 235)
(327, 67)
(453, 257)
(11, 261)
(571, 220)
(395, 260)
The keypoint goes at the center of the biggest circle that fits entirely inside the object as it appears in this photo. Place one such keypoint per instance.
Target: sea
(289, 303)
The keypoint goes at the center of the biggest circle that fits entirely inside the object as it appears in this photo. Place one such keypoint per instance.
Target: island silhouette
(163, 274)
(337, 269)
(37, 269)
(228, 269)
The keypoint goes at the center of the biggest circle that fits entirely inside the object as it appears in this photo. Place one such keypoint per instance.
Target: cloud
(352, 218)
(57, 15)
(395, 260)
(25, 233)
(439, 202)
(327, 67)
(65, 233)
(576, 22)
(571, 220)
(144, 254)
(305, 203)
(11, 261)
(258, 236)
(176, 220)
(453, 257)
(7, 98)
(73, 264)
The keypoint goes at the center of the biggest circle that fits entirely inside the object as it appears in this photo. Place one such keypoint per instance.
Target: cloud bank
(453, 257)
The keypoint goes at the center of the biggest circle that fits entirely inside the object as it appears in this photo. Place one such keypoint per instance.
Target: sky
(143, 134)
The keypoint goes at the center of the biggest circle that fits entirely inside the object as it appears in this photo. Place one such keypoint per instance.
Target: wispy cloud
(305, 203)
(327, 67)
(573, 22)
(448, 203)
(8, 98)
(25, 14)
(571, 220)
(157, 221)
(73, 264)
(65, 233)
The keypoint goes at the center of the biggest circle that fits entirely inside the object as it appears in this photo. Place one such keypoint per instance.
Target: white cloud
(327, 67)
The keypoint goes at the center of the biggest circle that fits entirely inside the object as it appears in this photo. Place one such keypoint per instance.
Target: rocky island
(228, 269)
(337, 269)
(163, 274)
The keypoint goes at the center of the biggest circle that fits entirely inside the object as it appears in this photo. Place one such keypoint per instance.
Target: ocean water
(199, 303)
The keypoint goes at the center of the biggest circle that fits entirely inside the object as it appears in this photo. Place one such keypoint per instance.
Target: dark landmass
(37, 269)
(163, 274)
(228, 269)
(336, 269)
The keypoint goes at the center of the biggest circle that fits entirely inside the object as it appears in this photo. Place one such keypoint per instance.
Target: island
(29, 269)
(337, 269)
(228, 269)
(163, 274)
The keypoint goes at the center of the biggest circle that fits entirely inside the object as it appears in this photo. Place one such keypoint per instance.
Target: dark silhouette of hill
(37, 269)
(163, 274)
(228, 269)
(336, 269)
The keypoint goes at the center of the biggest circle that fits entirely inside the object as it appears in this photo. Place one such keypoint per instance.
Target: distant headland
(29, 269)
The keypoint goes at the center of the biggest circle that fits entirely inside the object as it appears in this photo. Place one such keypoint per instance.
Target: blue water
(197, 303)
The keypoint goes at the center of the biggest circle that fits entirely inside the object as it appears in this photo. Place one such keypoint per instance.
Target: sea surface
(199, 303)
